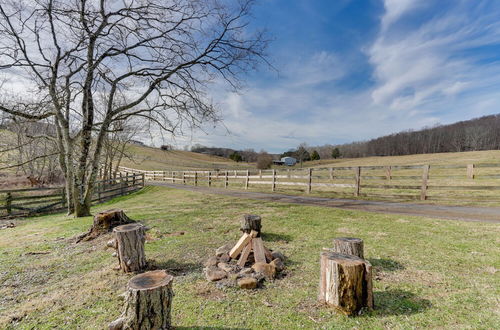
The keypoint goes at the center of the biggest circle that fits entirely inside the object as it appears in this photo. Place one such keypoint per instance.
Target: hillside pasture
(428, 273)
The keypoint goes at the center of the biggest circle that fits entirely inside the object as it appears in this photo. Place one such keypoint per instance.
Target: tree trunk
(104, 222)
(148, 302)
(345, 282)
(251, 222)
(130, 247)
(348, 245)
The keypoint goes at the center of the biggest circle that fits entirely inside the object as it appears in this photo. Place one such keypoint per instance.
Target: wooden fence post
(388, 172)
(247, 179)
(357, 184)
(260, 174)
(331, 173)
(8, 203)
(274, 180)
(173, 176)
(226, 180)
(288, 173)
(143, 180)
(309, 180)
(195, 178)
(63, 196)
(425, 178)
(235, 174)
(183, 177)
(122, 187)
(470, 171)
(209, 178)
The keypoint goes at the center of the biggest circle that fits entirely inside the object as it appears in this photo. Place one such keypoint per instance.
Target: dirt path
(465, 213)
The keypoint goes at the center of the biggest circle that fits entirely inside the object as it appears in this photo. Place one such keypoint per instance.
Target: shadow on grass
(387, 265)
(399, 302)
(272, 237)
(174, 267)
(209, 328)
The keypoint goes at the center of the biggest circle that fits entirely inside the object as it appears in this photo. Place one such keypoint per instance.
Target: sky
(351, 70)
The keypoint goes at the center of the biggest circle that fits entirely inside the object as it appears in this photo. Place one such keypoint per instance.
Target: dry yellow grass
(148, 158)
(469, 157)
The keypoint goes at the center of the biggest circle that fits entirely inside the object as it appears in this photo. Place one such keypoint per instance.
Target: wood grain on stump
(129, 240)
(104, 222)
(251, 222)
(148, 302)
(345, 282)
(348, 245)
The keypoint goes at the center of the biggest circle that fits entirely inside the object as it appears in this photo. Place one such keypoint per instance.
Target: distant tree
(302, 154)
(264, 161)
(335, 153)
(236, 157)
(289, 153)
(315, 155)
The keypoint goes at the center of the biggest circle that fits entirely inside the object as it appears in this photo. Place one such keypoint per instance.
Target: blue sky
(350, 70)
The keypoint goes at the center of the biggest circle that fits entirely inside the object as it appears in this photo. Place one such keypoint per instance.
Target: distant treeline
(475, 134)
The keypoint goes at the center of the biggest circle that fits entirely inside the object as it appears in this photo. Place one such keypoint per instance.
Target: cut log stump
(251, 222)
(345, 282)
(104, 222)
(349, 245)
(148, 302)
(129, 242)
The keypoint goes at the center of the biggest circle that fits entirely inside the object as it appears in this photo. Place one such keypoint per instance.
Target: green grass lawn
(429, 273)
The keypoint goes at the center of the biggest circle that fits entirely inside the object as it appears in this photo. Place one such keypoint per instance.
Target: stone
(278, 255)
(246, 271)
(268, 270)
(211, 262)
(278, 264)
(225, 283)
(224, 257)
(225, 267)
(214, 274)
(247, 283)
(223, 249)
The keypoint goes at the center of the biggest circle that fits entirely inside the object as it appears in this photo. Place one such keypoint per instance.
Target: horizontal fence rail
(18, 202)
(450, 182)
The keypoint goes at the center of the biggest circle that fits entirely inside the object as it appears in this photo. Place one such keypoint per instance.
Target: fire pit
(247, 263)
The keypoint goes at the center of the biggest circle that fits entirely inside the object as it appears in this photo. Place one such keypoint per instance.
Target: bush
(335, 153)
(236, 157)
(315, 155)
(264, 161)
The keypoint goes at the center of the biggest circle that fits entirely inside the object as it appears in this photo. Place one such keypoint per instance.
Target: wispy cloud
(426, 65)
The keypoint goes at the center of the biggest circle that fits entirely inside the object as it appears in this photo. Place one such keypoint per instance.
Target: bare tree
(31, 149)
(89, 63)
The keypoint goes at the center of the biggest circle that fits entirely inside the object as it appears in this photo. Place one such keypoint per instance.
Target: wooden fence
(453, 183)
(31, 201)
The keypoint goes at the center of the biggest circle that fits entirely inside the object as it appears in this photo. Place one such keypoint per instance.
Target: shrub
(264, 161)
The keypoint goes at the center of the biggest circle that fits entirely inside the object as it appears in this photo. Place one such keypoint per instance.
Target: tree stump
(348, 245)
(251, 222)
(345, 282)
(129, 244)
(104, 222)
(148, 302)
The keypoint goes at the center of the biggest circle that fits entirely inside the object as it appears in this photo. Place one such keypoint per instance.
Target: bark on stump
(345, 282)
(251, 222)
(148, 302)
(104, 222)
(129, 244)
(348, 245)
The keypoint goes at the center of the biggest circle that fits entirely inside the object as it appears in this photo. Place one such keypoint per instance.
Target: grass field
(429, 273)
(148, 158)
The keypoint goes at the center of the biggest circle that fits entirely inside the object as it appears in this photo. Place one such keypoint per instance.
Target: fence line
(16, 202)
(416, 182)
